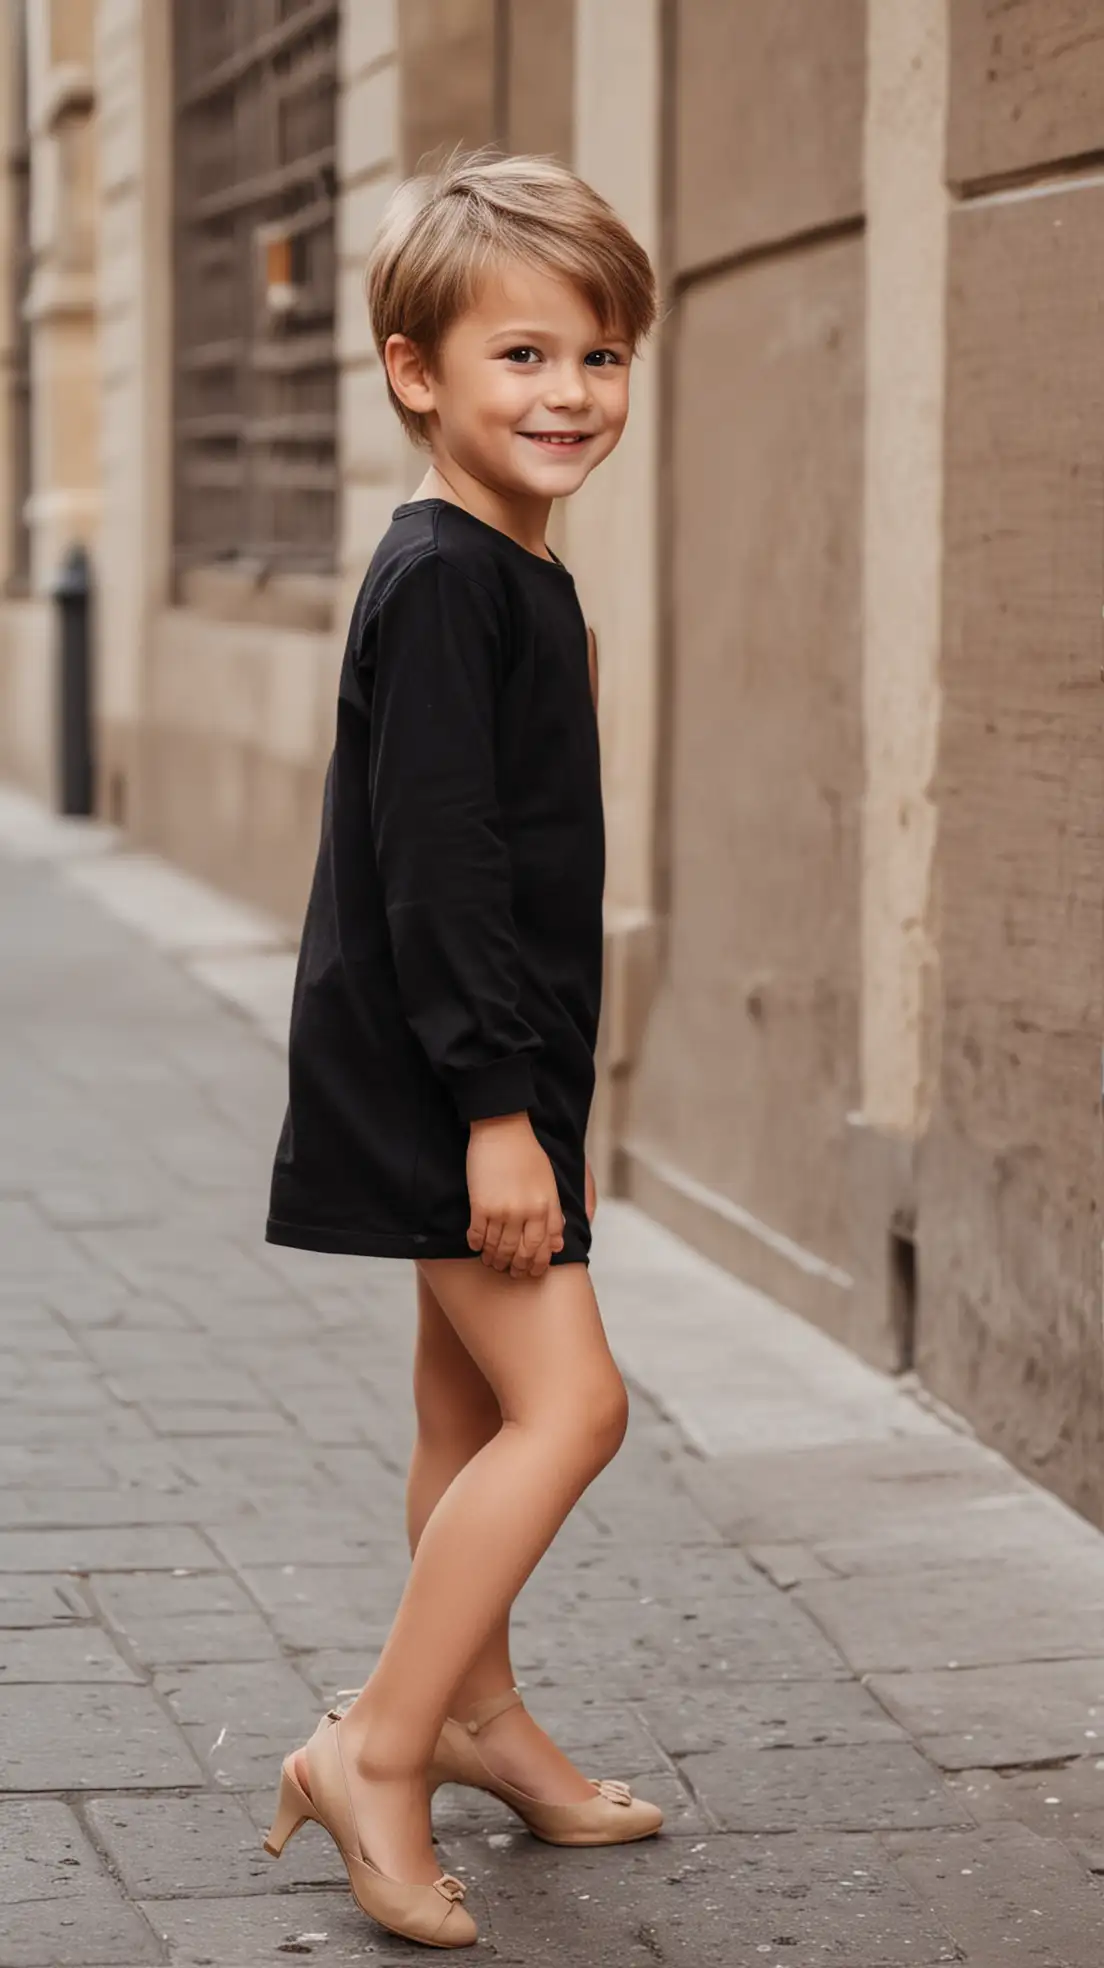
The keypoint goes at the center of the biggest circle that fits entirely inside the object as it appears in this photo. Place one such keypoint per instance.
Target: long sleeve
(438, 835)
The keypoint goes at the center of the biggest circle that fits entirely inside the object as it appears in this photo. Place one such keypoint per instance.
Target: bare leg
(540, 1346)
(457, 1415)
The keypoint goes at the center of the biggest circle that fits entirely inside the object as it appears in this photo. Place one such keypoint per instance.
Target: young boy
(447, 997)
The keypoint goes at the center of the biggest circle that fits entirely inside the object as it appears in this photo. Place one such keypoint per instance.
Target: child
(446, 1003)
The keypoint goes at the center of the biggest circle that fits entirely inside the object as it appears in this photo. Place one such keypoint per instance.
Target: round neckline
(450, 505)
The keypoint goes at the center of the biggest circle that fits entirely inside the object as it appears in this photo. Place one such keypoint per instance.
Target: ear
(408, 375)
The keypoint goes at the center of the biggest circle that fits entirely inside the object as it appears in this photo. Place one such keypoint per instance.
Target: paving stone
(165, 1847)
(26, 1467)
(849, 1787)
(742, 1639)
(767, 1715)
(1001, 1715)
(201, 1639)
(127, 1598)
(1009, 1528)
(1064, 1802)
(718, 1902)
(73, 1510)
(241, 1717)
(100, 1738)
(961, 1619)
(1007, 1895)
(788, 1564)
(34, 1599)
(804, 1496)
(97, 1928)
(66, 1653)
(314, 1538)
(257, 1931)
(125, 1549)
(331, 1607)
(665, 1575)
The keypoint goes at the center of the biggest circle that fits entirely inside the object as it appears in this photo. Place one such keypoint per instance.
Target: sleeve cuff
(504, 1087)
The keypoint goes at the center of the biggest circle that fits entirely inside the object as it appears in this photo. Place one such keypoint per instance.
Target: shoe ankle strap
(488, 1710)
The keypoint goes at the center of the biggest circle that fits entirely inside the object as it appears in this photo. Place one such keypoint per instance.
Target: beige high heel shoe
(433, 1914)
(613, 1816)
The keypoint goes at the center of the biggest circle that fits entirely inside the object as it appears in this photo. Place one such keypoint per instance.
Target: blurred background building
(845, 573)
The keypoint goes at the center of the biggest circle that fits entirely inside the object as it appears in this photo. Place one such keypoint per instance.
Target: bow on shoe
(612, 1790)
(449, 1888)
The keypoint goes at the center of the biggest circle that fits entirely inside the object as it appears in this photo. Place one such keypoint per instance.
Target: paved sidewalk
(859, 1662)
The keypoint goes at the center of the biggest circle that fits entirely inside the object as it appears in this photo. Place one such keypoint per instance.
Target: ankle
(379, 1753)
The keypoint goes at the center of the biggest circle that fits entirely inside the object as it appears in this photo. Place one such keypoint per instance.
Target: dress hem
(348, 1241)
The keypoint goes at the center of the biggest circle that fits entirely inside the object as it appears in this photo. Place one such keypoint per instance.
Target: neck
(522, 519)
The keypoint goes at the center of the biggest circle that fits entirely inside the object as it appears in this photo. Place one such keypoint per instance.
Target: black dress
(451, 962)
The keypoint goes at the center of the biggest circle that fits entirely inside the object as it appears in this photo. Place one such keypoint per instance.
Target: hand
(516, 1219)
(591, 1193)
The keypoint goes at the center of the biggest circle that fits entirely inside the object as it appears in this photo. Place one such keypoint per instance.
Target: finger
(508, 1245)
(477, 1229)
(533, 1239)
(541, 1260)
(491, 1237)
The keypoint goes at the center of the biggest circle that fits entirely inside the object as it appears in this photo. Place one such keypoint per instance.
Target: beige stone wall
(1011, 1174)
(737, 1123)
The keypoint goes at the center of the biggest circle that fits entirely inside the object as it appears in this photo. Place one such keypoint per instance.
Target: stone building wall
(844, 573)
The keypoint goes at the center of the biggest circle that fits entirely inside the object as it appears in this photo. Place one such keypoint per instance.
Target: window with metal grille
(255, 375)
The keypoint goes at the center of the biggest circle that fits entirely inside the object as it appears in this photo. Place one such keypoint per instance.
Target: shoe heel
(289, 1816)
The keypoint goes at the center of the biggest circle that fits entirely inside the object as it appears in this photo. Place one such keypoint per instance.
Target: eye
(603, 359)
(521, 355)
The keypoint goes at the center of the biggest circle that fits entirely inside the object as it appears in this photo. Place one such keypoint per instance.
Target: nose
(568, 387)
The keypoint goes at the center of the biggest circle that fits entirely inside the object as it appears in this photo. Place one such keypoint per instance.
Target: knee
(602, 1419)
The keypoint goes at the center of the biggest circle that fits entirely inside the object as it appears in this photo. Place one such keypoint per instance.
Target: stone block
(872, 1488)
(782, 1715)
(258, 1930)
(960, 1619)
(65, 1653)
(712, 1903)
(31, 1599)
(1004, 1893)
(92, 1738)
(120, 1549)
(201, 1639)
(849, 1787)
(769, 120)
(1012, 1166)
(369, 34)
(1002, 1716)
(240, 1717)
(367, 124)
(177, 1847)
(359, 211)
(743, 1639)
(1025, 86)
(1065, 1803)
(371, 437)
(748, 1065)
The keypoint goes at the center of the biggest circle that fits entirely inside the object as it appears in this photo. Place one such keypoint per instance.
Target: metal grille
(255, 406)
(19, 371)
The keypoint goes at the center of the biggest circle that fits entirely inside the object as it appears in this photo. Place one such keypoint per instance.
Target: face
(527, 393)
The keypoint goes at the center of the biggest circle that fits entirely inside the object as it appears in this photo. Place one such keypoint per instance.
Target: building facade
(845, 575)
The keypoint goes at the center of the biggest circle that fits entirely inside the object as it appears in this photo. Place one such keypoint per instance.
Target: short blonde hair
(441, 233)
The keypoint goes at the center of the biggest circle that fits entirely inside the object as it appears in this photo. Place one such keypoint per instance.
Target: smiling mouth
(556, 440)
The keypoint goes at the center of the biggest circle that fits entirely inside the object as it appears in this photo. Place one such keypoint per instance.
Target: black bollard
(72, 594)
